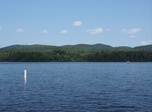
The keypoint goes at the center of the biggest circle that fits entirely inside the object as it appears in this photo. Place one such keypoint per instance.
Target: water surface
(76, 87)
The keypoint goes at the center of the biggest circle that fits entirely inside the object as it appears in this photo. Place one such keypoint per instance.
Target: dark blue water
(76, 87)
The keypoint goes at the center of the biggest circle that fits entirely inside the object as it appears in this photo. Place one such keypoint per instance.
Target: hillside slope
(78, 47)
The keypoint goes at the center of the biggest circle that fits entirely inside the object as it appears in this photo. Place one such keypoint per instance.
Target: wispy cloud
(19, 30)
(45, 31)
(146, 42)
(77, 23)
(95, 31)
(64, 31)
(131, 31)
(0, 28)
(132, 36)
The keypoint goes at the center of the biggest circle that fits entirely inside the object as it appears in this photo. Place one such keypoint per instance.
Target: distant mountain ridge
(75, 53)
(77, 47)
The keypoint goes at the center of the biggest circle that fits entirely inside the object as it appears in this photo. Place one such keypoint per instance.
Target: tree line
(69, 56)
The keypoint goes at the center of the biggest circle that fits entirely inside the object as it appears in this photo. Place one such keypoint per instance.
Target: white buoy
(24, 73)
(25, 76)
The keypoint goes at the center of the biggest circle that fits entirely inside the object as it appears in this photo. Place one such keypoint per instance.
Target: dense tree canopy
(79, 53)
(63, 56)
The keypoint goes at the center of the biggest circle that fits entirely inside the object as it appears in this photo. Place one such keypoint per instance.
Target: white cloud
(0, 28)
(132, 36)
(131, 31)
(64, 31)
(45, 31)
(146, 42)
(95, 31)
(19, 30)
(77, 23)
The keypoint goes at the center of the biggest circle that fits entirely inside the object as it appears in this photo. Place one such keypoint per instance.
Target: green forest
(75, 53)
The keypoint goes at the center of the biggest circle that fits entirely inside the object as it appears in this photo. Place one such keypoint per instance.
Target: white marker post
(25, 76)
(24, 73)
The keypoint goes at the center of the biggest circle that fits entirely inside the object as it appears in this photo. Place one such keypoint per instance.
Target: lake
(76, 87)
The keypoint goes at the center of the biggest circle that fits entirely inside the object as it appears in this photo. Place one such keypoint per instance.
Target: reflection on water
(25, 81)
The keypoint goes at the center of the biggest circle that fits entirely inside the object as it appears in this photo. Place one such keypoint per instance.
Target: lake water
(76, 87)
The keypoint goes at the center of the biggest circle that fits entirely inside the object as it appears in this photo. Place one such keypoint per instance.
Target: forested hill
(78, 47)
(46, 48)
(79, 52)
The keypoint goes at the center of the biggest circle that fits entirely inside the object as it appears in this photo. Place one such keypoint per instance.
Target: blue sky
(69, 22)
